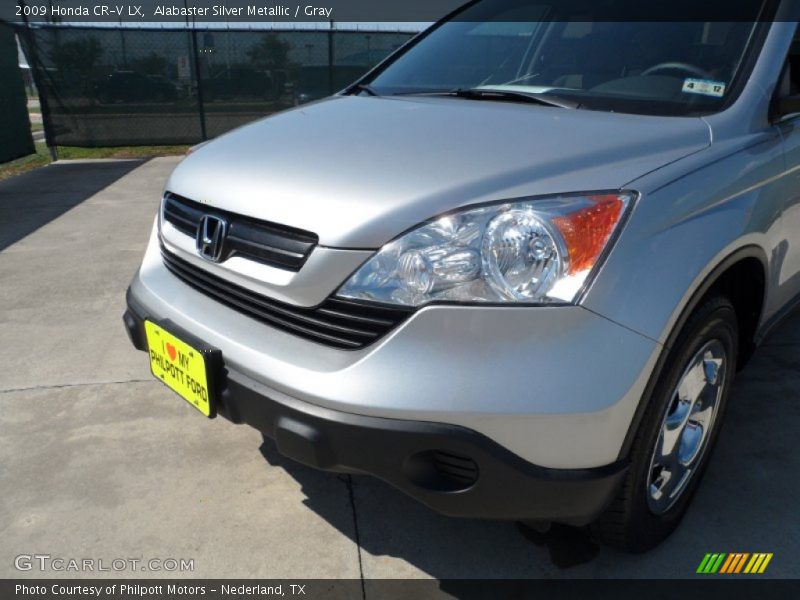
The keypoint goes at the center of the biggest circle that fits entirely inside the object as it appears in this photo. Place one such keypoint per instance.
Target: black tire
(629, 523)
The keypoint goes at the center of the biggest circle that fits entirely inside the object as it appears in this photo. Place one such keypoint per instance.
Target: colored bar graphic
(704, 563)
(711, 563)
(716, 565)
(734, 562)
(758, 563)
(726, 566)
(764, 564)
(741, 562)
(749, 567)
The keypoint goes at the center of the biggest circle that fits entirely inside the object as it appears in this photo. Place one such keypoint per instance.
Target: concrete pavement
(98, 460)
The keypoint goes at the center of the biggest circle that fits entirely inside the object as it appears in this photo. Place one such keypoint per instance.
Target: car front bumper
(557, 386)
(453, 470)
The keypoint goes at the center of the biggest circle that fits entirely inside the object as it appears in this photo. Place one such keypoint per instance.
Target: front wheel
(678, 431)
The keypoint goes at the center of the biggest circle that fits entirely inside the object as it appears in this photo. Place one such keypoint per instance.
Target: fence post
(201, 108)
(36, 70)
(331, 81)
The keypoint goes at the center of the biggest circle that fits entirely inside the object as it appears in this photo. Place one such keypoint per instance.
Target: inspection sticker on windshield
(705, 87)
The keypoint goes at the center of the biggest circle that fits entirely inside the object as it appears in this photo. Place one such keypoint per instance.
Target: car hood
(358, 171)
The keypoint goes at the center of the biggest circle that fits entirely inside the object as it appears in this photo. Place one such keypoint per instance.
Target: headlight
(537, 251)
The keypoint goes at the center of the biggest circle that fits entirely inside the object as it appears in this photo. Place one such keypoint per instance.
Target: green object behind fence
(15, 127)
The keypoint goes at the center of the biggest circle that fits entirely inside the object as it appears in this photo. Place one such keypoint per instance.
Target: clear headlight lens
(538, 251)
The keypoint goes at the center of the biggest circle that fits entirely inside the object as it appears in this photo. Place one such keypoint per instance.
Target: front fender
(680, 233)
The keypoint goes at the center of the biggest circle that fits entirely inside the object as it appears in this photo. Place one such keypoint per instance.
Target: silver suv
(512, 271)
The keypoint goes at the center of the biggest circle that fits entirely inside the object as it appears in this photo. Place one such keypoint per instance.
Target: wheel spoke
(693, 383)
(711, 369)
(658, 486)
(691, 439)
(678, 413)
(702, 415)
(670, 435)
(685, 427)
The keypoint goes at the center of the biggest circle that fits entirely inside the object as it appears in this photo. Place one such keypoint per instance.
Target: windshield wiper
(501, 95)
(363, 87)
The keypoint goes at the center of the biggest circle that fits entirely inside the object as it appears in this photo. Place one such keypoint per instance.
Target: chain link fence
(125, 86)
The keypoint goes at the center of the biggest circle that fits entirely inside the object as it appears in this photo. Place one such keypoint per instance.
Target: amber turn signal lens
(587, 231)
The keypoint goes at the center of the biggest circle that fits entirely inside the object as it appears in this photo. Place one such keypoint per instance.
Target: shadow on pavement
(391, 524)
(567, 546)
(751, 472)
(31, 200)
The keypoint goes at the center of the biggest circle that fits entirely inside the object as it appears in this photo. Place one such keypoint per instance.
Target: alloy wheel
(686, 427)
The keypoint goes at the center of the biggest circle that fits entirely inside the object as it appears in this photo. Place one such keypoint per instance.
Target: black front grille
(335, 322)
(267, 243)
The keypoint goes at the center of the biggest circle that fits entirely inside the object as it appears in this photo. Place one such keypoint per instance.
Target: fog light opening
(441, 471)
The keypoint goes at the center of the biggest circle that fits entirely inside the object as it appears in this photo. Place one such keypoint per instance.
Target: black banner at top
(387, 11)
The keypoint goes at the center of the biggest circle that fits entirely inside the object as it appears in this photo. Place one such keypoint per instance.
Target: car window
(659, 68)
(790, 81)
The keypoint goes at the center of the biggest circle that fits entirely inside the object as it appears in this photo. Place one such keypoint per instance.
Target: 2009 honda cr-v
(512, 271)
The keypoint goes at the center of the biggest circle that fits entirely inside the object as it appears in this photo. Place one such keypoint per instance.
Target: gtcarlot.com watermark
(56, 564)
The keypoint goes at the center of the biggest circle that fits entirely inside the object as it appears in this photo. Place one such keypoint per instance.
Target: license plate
(185, 365)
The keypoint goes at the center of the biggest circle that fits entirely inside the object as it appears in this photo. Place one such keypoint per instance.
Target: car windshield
(571, 52)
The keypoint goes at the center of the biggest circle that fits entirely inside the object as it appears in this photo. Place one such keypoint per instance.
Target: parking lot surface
(97, 460)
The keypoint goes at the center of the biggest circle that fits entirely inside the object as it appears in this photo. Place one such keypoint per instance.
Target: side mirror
(787, 106)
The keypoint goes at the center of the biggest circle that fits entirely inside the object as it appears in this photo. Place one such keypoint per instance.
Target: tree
(152, 64)
(77, 57)
(271, 53)
(75, 62)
